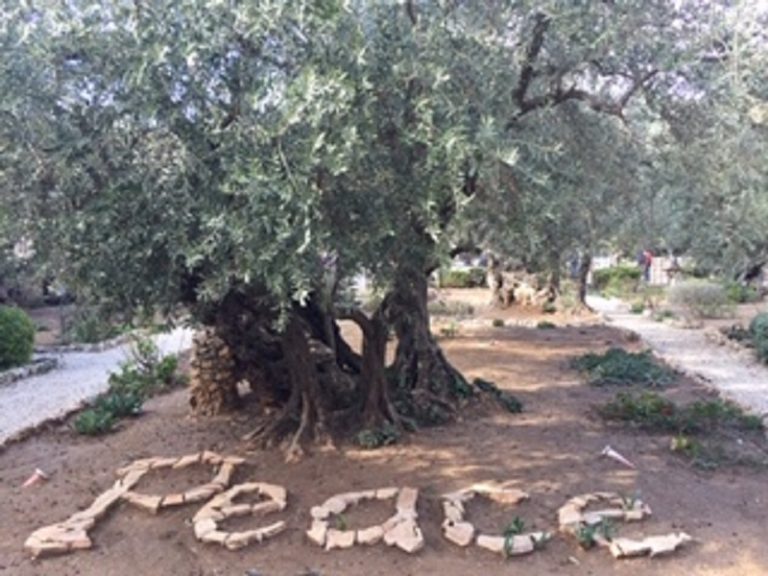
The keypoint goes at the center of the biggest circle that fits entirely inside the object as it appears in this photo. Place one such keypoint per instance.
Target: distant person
(647, 261)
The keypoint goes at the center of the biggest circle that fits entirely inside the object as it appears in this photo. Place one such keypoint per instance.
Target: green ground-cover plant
(497, 323)
(549, 308)
(94, 422)
(637, 308)
(17, 336)
(546, 325)
(618, 281)
(146, 373)
(617, 367)
(372, 438)
(758, 329)
(651, 412)
(469, 278)
(739, 293)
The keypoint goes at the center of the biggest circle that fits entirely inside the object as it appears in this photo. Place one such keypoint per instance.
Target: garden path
(80, 376)
(737, 376)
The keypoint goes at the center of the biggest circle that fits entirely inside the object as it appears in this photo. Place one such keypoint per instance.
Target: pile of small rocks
(213, 385)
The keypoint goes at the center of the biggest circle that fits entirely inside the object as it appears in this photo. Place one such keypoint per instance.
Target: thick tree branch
(540, 27)
(560, 94)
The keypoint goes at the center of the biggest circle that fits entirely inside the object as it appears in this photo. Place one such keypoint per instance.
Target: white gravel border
(80, 377)
(736, 376)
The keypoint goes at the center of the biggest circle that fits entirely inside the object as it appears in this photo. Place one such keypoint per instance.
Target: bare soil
(551, 450)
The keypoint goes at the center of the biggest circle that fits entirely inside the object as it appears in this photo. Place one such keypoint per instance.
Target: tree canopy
(243, 160)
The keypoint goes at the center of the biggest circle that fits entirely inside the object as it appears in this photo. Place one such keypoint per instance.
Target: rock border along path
(80, 377)
(738, 377)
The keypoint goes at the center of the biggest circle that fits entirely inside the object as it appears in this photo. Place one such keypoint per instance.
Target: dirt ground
(551, 450)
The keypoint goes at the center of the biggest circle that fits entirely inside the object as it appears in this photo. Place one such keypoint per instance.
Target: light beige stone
(236, 510)
(237, 540)
(236, 460)
(142, 464)
(204, 526)
(634, 515)
(406, 535)
(339, 539)
(492, 543)
(273, 491)
(653, 545)
(460, 533)
(163, 462)
(215, 537)
(569, 516)
(319, 512)
(188, 460)
(507, 496)
(208, 512)
(519, 545)
(317, 532)
(453, 510)
(224, 475)
(130, 479)
(200, 494)
(386, 493)
(271, 530)
(370, 536)
(262, 508)
(172, 500)
(147, 502)
(406, 501)
(335, 505)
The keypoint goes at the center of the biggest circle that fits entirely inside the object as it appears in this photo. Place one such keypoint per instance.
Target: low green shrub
(652, 412)
(701, 299)
(637, 308)
(545, 325)
(662, 315)
(758, 330)
(549, 308)
(617, 281)
(146, 373)
(373, 438)
(442, 308)
(497, 323)
(17, 337)
(738, 293)
(617, 367)
(469, 278)
(120, 404)
(94, 422)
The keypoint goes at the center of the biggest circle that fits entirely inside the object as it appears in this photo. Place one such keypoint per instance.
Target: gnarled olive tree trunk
(427, 385)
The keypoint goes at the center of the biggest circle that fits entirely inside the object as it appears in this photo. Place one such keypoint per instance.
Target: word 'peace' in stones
(400, 530)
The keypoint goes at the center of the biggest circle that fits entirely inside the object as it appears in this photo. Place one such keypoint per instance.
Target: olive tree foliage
(242, 160)
(710, 152)
(606, 167)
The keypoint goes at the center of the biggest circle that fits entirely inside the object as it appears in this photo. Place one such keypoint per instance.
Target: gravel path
(737, 376)
(80, 377)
